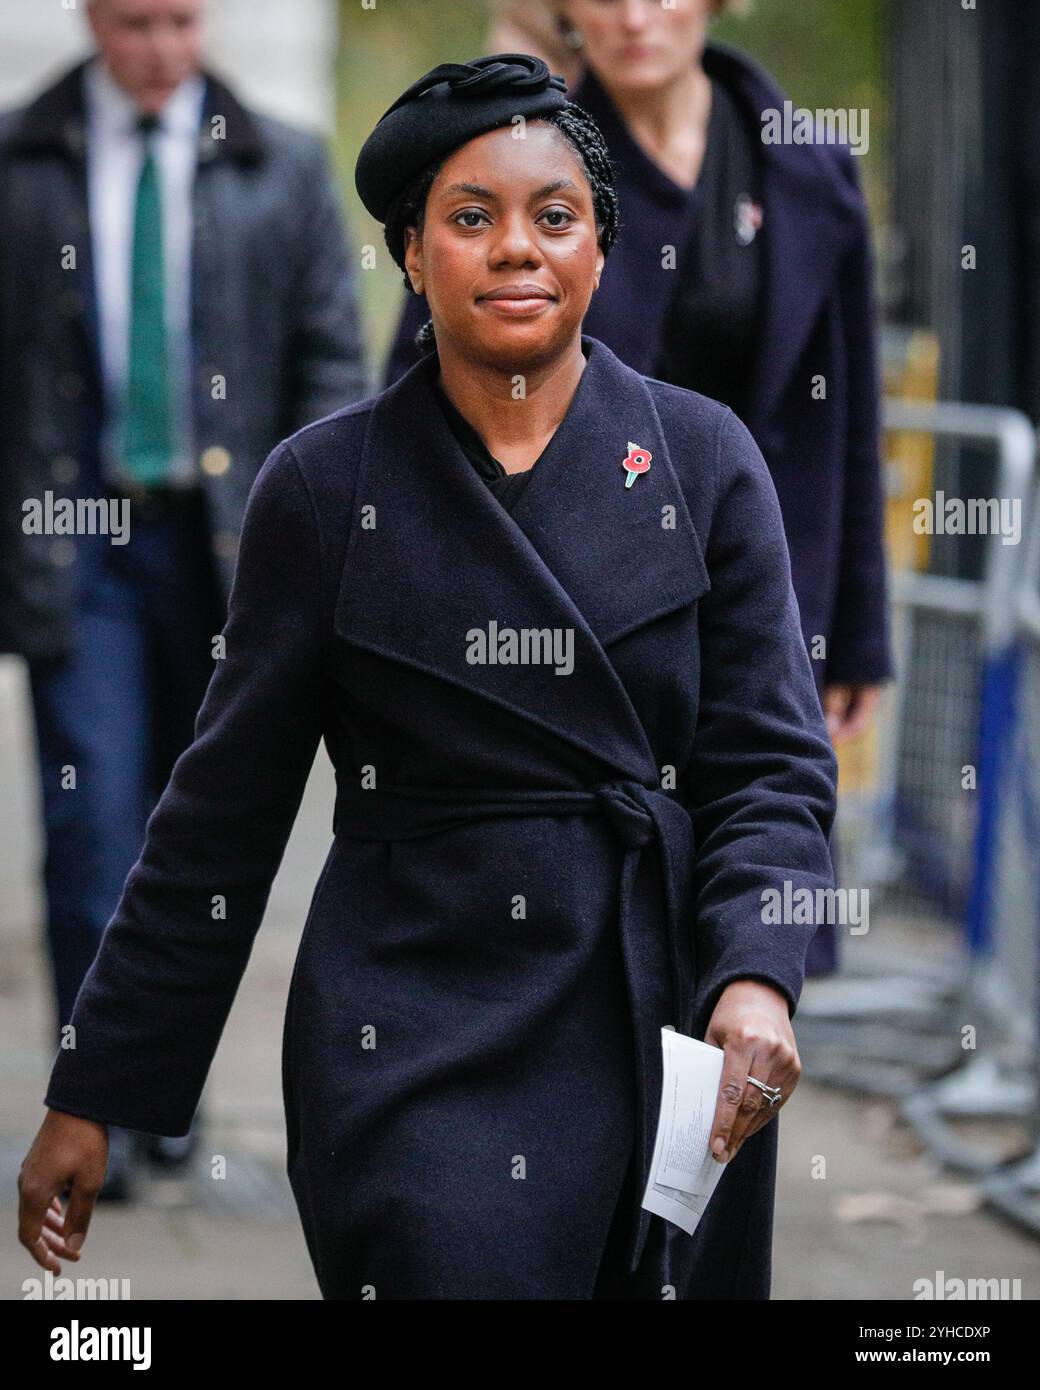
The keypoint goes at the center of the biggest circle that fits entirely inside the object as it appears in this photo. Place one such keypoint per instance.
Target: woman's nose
(514, 243)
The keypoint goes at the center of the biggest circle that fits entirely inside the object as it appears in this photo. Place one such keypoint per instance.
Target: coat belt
(653, 949)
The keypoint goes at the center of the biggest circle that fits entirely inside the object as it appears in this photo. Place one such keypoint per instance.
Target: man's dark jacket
(274, 315)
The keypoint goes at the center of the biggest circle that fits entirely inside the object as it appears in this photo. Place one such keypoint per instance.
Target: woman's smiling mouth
(517, 301)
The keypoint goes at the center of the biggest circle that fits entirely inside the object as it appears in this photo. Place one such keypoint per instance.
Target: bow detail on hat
(503, 72)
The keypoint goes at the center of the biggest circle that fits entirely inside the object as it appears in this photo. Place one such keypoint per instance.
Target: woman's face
(638, 45)
(508, 214)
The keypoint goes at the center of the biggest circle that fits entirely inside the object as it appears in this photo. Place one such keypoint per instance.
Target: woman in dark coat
(576, 740)
(764, 302)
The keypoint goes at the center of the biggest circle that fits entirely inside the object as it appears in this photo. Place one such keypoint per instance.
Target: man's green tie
(147, 426)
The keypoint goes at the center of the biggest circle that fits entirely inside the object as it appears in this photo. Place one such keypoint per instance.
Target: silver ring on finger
(771, 1093)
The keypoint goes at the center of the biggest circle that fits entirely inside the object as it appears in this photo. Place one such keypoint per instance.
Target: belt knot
(625, 806)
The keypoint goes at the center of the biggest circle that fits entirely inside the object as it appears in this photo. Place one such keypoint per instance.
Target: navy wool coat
(819, 320)
(535, 865)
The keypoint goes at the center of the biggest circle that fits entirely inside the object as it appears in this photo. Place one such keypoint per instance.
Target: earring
(573, 38)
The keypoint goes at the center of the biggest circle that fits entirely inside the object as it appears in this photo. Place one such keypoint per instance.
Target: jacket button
(70, 384)
(64, 468)
(215, 460)
(75, 135)
(225, 544)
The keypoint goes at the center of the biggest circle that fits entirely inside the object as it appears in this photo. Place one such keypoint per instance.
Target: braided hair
(585, 138)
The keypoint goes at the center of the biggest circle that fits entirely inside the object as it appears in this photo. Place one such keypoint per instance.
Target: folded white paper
(683, 1174)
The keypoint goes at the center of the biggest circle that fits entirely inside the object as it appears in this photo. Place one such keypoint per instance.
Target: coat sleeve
(403, 352)
(761, 786)
(326, 353)
(860, 643)
(152, 1007)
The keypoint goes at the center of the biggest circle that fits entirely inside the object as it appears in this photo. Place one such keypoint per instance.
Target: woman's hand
(751, 1024)
(68, 1153)
(849, 709)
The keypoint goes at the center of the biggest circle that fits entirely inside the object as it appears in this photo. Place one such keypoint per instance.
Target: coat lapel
(581, 554)
(804, 238)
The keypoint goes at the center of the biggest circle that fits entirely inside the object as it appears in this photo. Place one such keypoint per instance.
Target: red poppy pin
(636, 461)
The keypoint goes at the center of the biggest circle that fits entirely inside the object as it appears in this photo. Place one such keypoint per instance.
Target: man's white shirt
(115, 154)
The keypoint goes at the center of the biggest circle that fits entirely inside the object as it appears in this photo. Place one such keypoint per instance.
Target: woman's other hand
(752, 1025)
(69, 1154)
(849, 709)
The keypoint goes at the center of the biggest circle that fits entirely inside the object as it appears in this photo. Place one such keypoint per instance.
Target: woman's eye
(558, 212)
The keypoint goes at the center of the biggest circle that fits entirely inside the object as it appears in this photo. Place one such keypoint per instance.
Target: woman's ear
(413, 258)
(600, 262)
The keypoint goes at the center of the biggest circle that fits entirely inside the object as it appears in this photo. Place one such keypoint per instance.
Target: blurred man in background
(176, 295)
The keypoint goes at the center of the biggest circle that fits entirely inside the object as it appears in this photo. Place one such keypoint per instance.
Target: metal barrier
(925, 846)
(1015, 1190)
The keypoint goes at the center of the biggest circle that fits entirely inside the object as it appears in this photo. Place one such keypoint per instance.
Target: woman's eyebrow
(477, 190)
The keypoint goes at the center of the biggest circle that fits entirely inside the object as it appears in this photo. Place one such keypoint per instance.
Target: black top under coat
(711, 327)
(507, 487)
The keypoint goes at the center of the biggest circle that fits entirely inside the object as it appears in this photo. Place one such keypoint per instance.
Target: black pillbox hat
(453, 103)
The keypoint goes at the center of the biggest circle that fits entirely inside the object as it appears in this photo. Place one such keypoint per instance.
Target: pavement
(863, 1212)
